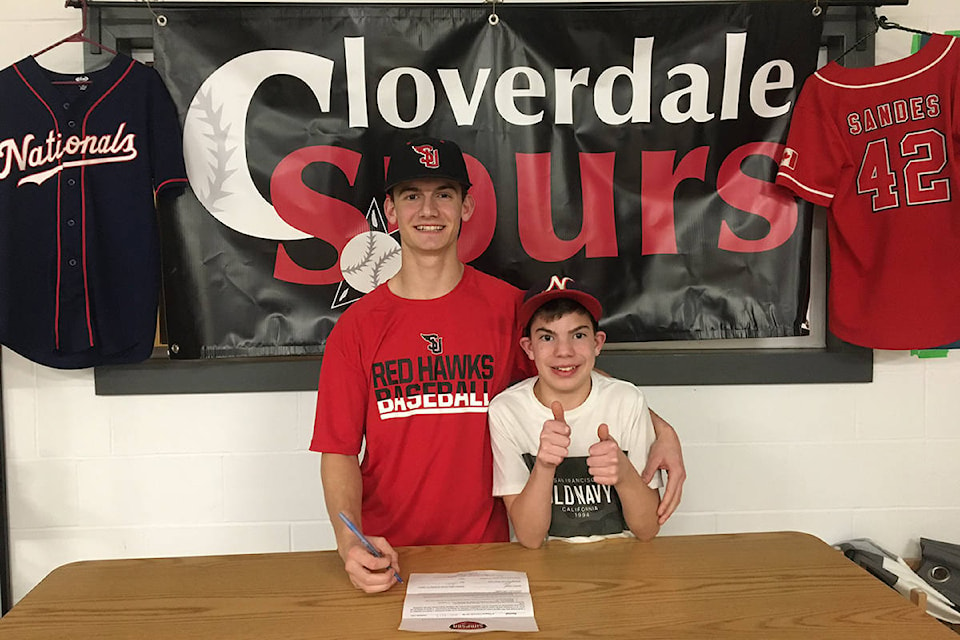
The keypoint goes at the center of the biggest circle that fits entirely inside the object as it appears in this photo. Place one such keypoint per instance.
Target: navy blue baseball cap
(426, 157)
(553, 288)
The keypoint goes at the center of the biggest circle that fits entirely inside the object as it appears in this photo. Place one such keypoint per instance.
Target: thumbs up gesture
(554, 438)
(606, 458)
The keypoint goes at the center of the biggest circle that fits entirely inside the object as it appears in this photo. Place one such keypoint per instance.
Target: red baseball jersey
(879, 148)
(81, 163)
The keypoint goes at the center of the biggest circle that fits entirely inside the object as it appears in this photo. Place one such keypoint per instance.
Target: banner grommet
(493, 18)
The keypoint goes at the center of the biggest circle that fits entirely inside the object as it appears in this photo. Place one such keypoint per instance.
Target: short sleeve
(342, 395)
(166, 140)
(639, 438)
(809, 164)
(510, 472)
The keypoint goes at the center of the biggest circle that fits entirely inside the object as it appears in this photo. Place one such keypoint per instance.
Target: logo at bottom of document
(466, 625)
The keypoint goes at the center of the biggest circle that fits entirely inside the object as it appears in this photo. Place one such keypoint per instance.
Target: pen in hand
(366, 543)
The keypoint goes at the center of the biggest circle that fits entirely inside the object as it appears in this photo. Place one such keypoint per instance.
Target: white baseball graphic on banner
(369, 259)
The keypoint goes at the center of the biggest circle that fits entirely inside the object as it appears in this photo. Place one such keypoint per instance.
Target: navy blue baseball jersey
(81, 167)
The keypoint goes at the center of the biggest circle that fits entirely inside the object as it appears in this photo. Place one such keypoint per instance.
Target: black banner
(632, 147)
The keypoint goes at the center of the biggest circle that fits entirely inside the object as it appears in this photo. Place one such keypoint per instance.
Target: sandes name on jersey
(47, 158)
(895, 112)
(455, 383)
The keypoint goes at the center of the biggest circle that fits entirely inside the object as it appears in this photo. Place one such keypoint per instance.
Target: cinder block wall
(109, 477)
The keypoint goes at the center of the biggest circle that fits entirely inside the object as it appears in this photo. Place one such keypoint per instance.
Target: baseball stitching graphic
(369, 259)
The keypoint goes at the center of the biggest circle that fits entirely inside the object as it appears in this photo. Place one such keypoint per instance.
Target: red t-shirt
(416, 377)
(879, 147)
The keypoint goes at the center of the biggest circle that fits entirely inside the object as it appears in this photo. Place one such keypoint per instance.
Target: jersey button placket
(72, 320)
(73, 333)
(72, 201)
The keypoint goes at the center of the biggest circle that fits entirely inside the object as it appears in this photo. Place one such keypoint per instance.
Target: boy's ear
(389, 209)
(600, 337)
(527, 345)
(468, 207)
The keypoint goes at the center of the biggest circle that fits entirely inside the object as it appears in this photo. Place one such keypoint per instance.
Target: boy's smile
(565, 350)
(428, 212)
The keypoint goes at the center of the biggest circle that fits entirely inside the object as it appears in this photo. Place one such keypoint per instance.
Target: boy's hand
(554, 438)
(666, 453)
(604, 459)
(368, 572)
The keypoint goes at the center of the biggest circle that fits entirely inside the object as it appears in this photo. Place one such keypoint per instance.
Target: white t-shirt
(582, 509)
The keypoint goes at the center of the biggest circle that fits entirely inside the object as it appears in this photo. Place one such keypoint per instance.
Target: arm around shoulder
(666, 454)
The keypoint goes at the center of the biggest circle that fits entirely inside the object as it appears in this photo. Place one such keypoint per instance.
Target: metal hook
(883, 23)
(817, 10)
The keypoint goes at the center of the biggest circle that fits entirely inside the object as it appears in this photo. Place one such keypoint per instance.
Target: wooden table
(765, 585)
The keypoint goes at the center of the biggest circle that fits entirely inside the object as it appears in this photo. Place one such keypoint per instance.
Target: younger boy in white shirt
(568, 443)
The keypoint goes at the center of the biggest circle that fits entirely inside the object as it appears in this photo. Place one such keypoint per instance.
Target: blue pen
(372, 549)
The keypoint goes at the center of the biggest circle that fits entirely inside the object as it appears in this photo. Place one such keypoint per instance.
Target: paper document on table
(468, 601)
